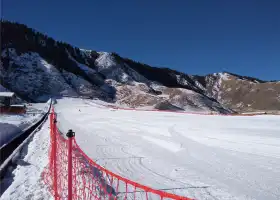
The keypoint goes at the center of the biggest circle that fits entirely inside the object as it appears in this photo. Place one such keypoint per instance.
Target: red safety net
(71, 174)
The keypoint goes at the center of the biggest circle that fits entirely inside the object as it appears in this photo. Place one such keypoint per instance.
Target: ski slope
(203, 157)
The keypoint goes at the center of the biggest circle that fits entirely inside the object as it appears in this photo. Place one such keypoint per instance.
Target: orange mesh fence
(72, 175)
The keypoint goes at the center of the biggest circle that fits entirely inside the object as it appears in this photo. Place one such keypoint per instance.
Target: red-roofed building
(7, 103)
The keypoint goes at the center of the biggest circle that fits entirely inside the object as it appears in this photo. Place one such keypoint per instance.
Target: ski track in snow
(203, 157)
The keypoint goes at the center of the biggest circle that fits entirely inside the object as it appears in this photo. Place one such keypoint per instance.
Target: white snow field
(202, 157)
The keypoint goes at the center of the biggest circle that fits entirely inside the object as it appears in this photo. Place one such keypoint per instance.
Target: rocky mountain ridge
(36, 67)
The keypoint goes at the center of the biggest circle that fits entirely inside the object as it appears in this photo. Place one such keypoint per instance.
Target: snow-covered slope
(107, 64)
(37, 67)
(134, 90)
(32, 76)
(203, 157)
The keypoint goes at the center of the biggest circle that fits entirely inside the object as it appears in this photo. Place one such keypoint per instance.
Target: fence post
(51, 121)
(52, 141)
(70, 134)
(54, 157)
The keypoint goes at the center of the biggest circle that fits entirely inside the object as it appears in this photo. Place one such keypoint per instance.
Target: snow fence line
(72, 175)
(183, 112)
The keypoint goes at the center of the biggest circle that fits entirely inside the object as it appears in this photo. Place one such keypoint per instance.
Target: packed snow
(25, 182)
(198, 156)
(203, 157)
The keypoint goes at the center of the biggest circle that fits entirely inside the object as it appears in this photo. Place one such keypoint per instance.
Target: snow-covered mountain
(36, 67)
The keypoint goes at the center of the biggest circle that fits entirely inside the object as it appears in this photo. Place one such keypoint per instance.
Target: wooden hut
(8, 104)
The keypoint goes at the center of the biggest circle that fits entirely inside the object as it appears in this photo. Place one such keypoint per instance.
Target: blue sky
(192, 36)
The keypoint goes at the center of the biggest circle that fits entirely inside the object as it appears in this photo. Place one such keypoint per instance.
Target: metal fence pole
(70, 134)
(54, 157)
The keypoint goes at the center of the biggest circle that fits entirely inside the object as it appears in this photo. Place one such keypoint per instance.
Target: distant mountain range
(36, 67)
